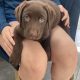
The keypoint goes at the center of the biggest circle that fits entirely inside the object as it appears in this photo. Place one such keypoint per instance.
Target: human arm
(3, 23)
(7, 30)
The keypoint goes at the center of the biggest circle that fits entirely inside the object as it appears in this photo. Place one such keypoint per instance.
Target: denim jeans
(3, 54)
(73, 7)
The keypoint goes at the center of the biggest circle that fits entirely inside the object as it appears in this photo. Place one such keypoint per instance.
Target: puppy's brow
(35, 11)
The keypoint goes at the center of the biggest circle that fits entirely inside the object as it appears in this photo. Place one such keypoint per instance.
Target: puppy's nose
(34, 33)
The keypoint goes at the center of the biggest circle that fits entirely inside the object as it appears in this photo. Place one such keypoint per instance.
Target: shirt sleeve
(10, 6)
(57, 2)
(3, 21)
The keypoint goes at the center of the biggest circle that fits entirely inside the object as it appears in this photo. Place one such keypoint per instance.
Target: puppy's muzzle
(34, 34)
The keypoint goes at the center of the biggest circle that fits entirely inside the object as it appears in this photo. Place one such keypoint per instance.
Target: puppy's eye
(27, 18)
(41, 20)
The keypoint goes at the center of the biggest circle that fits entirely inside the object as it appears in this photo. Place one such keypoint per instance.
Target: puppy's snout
(34, 33)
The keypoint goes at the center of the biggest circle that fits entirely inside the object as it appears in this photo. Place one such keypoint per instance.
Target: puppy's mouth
(33, 34)
(34, 38)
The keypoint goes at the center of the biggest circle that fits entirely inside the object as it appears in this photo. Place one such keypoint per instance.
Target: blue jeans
(73, 7)
(3, 54)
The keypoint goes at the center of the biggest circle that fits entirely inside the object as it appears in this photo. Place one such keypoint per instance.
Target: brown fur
(37, 18)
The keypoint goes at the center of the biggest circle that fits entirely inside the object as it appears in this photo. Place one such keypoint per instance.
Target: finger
(9, 37)
(67, 22)
(7, 34)
(61, 8)
(6, 49)
(6, 40)
(68, 25)
(11, 31)
(11, 40)
(64, 17)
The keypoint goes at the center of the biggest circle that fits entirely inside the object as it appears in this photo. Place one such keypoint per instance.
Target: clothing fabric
(7, 8)
(3, 54)
(73, 7)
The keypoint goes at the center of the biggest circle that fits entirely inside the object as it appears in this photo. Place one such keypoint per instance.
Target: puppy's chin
(33, 35)
(34, 38)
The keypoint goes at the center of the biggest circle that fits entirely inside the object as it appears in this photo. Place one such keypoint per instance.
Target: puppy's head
(37, 18)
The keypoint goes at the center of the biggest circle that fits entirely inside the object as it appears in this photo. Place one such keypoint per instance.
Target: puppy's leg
(15, 58)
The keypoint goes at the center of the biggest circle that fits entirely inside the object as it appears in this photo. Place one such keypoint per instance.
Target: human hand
(65, 16)
(7, 41)
(14, 23)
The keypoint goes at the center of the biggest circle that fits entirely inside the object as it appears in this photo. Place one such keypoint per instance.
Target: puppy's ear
(53, 16)
(19, 9)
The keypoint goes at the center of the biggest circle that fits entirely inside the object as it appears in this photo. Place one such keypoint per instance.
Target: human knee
(65, 53)
(63, 49)
(34, 59)
(38, 68)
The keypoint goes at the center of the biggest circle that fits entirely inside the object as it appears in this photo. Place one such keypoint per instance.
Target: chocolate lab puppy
(36, 18)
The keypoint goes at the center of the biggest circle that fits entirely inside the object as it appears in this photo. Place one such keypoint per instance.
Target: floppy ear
(19, 9)
(53, 17)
